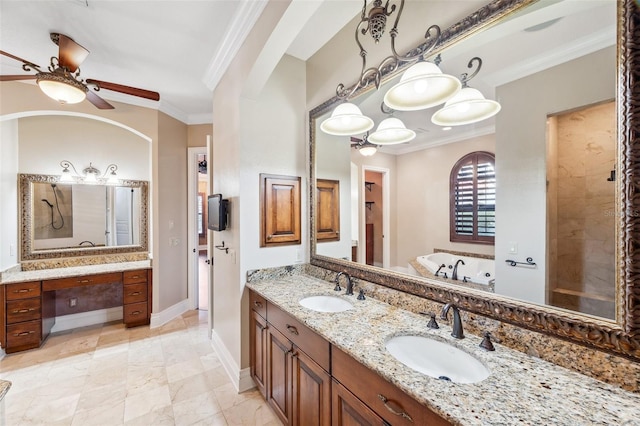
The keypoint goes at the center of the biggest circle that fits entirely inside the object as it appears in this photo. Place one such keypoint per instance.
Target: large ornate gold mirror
(76, 219)
(560, 212)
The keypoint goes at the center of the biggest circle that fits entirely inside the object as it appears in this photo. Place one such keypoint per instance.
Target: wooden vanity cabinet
(136, 297)
(28, 316)
(284, 355)
(349, 410)
(258, 338)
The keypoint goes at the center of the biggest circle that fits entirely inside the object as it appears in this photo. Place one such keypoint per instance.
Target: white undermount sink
(326, 303)
(437, 359)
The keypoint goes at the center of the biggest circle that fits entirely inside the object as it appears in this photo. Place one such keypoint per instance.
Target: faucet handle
(432, 322)
(486, 342)
(337, 287)
(361, 295)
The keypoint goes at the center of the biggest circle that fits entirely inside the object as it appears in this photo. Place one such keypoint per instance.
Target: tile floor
(109, 375)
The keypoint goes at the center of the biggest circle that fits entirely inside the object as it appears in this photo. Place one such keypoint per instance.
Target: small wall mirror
(76, 219)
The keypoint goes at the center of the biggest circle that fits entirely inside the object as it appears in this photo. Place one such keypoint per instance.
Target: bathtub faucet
(440, 267)
(454, 274)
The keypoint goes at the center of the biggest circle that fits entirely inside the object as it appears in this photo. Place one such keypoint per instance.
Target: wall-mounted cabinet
(280, 210)
(328, 210)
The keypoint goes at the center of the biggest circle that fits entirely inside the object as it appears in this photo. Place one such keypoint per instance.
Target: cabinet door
(311, 392)
(280, 210)
(347, 410)
(258, 351)
(328, 210)
(279, 350)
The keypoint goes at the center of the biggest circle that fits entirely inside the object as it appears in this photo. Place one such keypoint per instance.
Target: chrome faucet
(457, 322)
(454, 274)
(349, 283)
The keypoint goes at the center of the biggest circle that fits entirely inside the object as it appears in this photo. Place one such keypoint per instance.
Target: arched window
(472, 196)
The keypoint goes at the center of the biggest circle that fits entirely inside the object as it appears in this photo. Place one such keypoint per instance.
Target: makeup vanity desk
(28, 298)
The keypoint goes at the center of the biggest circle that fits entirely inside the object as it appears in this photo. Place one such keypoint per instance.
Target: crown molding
(243, 21)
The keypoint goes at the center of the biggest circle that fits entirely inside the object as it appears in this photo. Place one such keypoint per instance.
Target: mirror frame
(621, 337)
(27, 253)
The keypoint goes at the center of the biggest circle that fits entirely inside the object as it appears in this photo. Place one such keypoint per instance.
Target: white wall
(521, 161)
(8, 194)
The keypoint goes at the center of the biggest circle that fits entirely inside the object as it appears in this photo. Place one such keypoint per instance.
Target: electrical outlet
(73, 302)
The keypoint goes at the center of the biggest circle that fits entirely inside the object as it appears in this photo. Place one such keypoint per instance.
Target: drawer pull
(23, 290)
(135, 293)
(23, 311)
(397, 410)
(136, 313)
(257, 304)
(84, 281)
(292, 329)
(24, 333)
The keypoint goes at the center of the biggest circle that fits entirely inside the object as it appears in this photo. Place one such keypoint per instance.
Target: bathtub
(475, 269)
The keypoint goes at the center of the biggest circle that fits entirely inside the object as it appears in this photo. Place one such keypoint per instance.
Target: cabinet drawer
(385, 399)
(61, 283)
(301, 336)
(133, 277)
(135, 313)
(23, 290)
(23, 310)
(258, 303)
(134, 293)
(24, 334)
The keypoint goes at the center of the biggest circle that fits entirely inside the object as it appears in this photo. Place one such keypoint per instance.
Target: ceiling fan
(62, 81)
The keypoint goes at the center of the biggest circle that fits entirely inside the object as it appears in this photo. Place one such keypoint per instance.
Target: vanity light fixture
(468, 105)
(436, 87)
(391, 130)
(345, 120)
(91, 174)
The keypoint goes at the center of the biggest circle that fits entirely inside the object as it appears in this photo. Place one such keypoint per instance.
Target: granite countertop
(46, 274)
(520, 390)
(4, 388)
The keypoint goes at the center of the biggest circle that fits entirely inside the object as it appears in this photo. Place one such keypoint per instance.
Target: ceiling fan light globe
(346, 119)
(61, 88)
(421, 86)
(368, 151)
(391, 131)
(468, 106)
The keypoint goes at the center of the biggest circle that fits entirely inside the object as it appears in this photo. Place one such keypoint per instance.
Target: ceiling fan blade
(134, 91)
(16, 77)
(98, 101)
(71, 54)
(24, 61)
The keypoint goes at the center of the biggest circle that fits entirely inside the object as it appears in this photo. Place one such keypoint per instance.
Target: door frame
(193, 246)
(386, 209)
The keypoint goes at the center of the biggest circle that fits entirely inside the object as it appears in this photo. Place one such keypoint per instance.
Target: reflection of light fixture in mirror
(391, 130)
(422, 86)
(363, 146)
(345, 120)
(61, 87)
(91, 174)
(374, 23)
(368, 150)
(468, 105)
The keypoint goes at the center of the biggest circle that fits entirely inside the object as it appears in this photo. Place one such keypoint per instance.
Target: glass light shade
(368, 151)
(113, 178)
(468, 106)
(346, 119)
(62, 92)
(90, 178)
(391, 131)
(422, 86)
(66, 176)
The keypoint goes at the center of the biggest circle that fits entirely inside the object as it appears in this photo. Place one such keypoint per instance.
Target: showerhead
(48, 203)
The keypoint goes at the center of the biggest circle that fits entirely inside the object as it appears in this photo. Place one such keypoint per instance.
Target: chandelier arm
(464, 78)
(65, 164)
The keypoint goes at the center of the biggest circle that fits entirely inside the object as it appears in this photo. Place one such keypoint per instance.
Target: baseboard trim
(246, 382)
(161, 318)
(84, 319)
(233, 371)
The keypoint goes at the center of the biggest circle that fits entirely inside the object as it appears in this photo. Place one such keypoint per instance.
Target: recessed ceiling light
(542, 26)
(446, 128)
